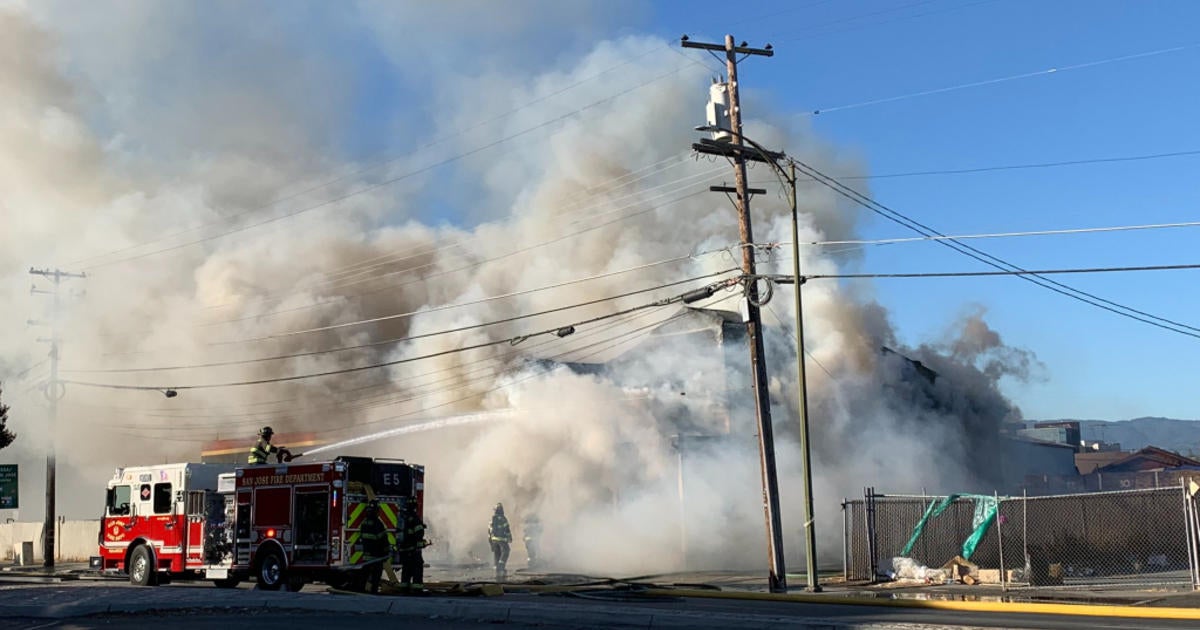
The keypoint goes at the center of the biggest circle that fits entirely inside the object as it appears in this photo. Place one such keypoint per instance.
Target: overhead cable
(382, 163)
(1012, 272)
(913, 239)
(394, 340)
(614, 342)
(475, 370)
(341, 299)
(386, 182)
(281, 379)
(990, 260)
(1014, 77)
(347, 273)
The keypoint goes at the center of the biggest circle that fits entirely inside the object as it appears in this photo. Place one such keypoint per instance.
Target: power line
(405, 315)
(779, 320)
(391, 180)
(1005, 79)
(390, 287)
(393, 340)
(562, 331)
(958, 6)
(348, 272)
(1014, 167)
(384, 162)
(613, 342)
(1006, 167)
(913, 239)
(425, 279)
(1015, 272)
(599, 347)
(990, 260)
(374, 401)
(817, 27)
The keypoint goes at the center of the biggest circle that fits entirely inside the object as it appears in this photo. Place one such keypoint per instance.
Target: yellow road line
(1082, 610)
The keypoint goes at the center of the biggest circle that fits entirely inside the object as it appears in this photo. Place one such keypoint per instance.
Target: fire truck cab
(284, 524)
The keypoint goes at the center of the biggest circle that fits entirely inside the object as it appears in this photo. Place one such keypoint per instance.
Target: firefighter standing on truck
(375, 545)
(499, 536)
(411, 541)
(263, 447)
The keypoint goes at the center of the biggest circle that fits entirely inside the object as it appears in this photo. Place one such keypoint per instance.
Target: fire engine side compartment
(294, 506)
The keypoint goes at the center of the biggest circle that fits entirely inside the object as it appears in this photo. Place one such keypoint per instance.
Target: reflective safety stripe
(387, 513)
(391, 539)
(356, 513)
(352, 538)
(355, 557)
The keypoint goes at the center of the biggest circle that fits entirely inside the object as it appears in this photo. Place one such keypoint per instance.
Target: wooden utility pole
(53, 393)
(762, 401)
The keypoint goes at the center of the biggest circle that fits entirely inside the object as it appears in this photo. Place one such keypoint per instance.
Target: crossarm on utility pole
(777, 578)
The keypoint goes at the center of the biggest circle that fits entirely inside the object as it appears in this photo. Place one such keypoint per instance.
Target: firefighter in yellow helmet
(410, 541)
(263, 448)
(375, 545)
(500, 537)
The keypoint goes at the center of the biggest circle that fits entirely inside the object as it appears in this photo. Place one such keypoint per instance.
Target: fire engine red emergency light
(270, 533)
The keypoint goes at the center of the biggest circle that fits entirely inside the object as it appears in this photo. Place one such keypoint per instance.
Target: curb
(1081, 610)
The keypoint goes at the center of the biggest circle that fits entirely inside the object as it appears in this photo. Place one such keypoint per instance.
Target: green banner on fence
(986, 509)
(8, 487)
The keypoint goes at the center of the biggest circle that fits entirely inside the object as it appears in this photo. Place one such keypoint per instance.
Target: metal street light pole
(772, 158)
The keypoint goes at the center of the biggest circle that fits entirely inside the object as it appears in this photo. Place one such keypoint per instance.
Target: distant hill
(1181, 436)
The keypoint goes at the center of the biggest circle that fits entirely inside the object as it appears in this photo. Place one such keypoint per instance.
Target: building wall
(1024, 460)
(76, 540)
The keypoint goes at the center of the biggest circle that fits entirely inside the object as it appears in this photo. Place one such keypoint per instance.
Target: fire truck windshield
(118, 500)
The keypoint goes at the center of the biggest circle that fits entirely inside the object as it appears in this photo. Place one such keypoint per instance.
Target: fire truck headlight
(270, 533)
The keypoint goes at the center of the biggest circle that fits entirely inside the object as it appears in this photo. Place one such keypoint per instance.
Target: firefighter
(499, 536)
(375, 545)
(263, 447)
(531, 531)
(411, 540)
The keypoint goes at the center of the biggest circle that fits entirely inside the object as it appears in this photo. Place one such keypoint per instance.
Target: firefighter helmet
(373, 504)
(266, 432)
(500, 509)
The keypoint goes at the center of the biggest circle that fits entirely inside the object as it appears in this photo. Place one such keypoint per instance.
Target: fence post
(1025, 531)
(869, 510)
(845, 539)
(1189, 516)
(1000, 542)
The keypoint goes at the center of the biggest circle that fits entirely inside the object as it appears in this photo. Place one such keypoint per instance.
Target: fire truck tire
(230, 582)
(141, 567)
(270, 575)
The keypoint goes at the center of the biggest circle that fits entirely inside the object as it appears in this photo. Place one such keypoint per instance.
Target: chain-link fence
(1128, 537)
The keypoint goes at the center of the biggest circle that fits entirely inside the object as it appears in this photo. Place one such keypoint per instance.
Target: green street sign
(8, 486)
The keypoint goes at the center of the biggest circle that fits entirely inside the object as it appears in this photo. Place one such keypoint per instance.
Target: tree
(6, 436)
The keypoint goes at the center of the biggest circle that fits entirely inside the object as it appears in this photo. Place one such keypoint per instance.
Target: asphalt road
(273, 621)
(200, 606)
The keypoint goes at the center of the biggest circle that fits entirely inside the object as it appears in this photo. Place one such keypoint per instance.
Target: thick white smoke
(181, 116)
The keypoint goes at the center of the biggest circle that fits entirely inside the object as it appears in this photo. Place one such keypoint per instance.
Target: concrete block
(23, 553)
(989, 576)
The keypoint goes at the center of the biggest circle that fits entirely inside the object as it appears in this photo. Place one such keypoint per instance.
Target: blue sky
(1097, 365)
(829, 53)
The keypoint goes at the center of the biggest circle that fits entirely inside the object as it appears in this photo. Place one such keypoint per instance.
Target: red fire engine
(278, 524)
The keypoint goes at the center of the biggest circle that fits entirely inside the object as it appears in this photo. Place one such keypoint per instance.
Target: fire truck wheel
(141, 567)
(270, 571)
